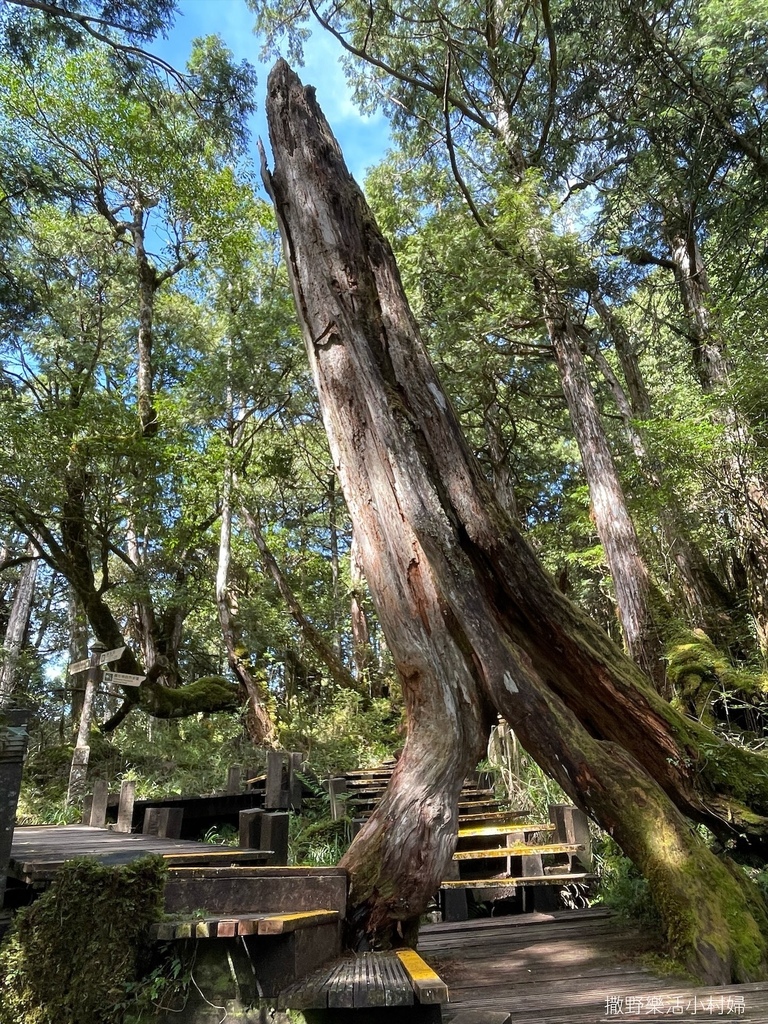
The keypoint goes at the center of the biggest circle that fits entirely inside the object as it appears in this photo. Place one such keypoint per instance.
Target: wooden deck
(579, 967)
(38, 851)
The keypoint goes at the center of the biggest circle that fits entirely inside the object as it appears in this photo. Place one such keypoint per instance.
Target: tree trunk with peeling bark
(474, 624)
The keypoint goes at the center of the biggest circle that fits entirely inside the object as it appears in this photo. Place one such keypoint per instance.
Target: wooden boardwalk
(579, 967)
(38, 851)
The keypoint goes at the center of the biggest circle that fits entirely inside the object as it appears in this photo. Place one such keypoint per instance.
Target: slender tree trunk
(709, 604)
(78, 651)
(147, 276)
(361, 636)
(260, 726)
(615, 528)
(501, 474)
(613, 522)
(18, 623)
(473, 623)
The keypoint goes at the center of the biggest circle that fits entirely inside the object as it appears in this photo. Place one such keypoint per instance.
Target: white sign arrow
(79, 666)
(123, 678)
(108, 656)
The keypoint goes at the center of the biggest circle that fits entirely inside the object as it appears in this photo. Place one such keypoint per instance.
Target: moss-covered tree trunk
(473, 623)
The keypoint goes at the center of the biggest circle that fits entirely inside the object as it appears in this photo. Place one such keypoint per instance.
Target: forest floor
(573, 967)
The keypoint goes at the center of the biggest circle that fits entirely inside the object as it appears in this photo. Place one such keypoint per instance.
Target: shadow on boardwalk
(579, 967)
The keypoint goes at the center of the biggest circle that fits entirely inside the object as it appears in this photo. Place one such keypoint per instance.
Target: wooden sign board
(123, 678)
(108, 656)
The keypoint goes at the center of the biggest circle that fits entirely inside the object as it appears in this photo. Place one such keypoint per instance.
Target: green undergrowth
(622, 888)
(74, 955)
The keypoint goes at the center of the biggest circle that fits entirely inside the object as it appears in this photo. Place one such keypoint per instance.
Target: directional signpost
(107, 656)
(99, 656)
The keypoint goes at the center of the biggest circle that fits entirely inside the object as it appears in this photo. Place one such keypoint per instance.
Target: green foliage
(622, 887)
(72, 953)
(342, 731)
(316, 840)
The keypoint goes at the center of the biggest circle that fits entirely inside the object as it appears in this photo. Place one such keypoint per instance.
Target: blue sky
(363, 139)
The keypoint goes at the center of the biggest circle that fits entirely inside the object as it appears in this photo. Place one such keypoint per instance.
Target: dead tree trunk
(473, 623)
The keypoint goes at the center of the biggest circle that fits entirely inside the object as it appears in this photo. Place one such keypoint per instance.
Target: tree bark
(709, 603)
(748, 491)
(473, 623)
(78, 651)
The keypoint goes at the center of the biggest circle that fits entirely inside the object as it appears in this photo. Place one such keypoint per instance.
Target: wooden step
(502, 829)
(228, 891)
(216, 857)
(231, 925)
(493, 817)
(391, 979)
(519, 850)
(428, 986)
(496, 882)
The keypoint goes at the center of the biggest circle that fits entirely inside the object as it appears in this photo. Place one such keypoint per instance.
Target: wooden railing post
(125, 807)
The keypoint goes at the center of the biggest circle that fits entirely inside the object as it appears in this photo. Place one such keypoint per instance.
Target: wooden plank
(398, 990)
(517, 850)
(501, 830)
(280, 924)
(228, 890)
(125, 806)
(98, 809)
(310, 993)
(277, 793)
(490, 883)
(214, 857)
(341, 986)
(495, 816)
(428, 986)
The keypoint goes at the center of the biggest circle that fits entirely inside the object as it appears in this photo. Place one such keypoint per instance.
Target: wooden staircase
(501, 852)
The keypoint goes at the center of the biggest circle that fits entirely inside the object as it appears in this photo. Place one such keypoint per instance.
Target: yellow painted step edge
(428, 986)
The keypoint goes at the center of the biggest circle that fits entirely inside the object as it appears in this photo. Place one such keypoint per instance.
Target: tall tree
(485, 83)
(474, 625)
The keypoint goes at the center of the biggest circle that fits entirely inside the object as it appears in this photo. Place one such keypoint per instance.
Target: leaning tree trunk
(325, 653)
(710, 606)
(473, 623)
